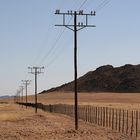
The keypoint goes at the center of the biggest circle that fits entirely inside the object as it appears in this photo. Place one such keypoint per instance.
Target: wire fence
(119, 120)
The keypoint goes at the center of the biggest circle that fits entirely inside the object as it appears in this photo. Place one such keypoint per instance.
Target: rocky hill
(107, 79)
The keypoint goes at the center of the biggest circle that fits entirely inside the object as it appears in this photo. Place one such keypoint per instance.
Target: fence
(120, 120)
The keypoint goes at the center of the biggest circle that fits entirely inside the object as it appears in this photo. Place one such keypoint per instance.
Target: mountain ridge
(106, 79)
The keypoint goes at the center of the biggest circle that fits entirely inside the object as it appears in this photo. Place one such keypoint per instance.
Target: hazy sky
(28, 37)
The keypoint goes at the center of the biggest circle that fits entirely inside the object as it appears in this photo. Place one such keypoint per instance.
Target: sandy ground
(17, 123)
(115, 100)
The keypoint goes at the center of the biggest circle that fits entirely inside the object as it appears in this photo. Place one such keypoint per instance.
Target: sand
(17, 123)
(115, 100)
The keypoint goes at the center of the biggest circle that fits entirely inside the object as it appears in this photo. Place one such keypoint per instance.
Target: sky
(29, 37)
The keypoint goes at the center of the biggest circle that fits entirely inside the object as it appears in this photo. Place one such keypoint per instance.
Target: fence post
(136, 123)
(103, 116)
(109, 117)
(68, 110)
(90, 114)
(123, 123)
(116, 119)
(82, 112)
(119, 120)
(127, 122)
(106, 116)
(96, 116)
(112, 118)
(132, 124)
(99, 116)
(86, 113)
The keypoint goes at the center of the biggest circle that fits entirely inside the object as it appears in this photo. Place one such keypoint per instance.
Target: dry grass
(116, 100)
(10, 112)
(23, 124)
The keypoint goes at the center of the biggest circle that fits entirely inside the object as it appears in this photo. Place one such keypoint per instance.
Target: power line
(102, 5)
(52, 47)
(84, 2)
(59, 37)
(49, 31)
(57, 55)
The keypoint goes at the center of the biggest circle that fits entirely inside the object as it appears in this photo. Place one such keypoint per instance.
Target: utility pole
(35, 71)
(22, 88)
(26, 83)
(76, 26)
(17, 96)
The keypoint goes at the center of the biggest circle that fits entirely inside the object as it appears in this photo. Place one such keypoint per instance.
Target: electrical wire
(102, 5)
(50, 31)
(83, 3)
(98, 8)
(57, 56)
(59, 37)
(42, 47)
(49, 52)
(53, 46)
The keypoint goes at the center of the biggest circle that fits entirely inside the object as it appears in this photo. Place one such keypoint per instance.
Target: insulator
(78, 23)
(57, 11)
(81, 12)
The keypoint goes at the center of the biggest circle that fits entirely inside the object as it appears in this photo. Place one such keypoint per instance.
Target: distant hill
(107, 79)
(6, 96)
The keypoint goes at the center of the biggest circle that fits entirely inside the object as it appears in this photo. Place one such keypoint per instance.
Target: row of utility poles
(19, 95)
(75, 27)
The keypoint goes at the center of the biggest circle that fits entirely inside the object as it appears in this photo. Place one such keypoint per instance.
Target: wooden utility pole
(26, 83)
(76, 26)
(22, 88)
(18, 96)
(36, 71)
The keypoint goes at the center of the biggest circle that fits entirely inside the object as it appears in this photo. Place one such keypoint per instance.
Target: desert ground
(17, 123)
(115, 100)
(119, 100)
